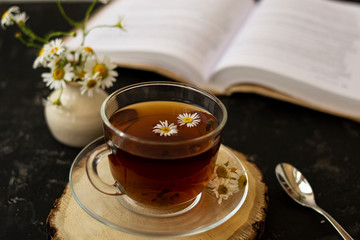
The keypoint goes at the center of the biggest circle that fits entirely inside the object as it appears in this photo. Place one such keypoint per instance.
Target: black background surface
(34, 167)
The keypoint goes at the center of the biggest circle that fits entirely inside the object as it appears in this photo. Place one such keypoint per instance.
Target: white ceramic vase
(77, 121)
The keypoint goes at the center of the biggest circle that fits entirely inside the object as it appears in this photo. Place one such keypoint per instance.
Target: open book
(301, 51)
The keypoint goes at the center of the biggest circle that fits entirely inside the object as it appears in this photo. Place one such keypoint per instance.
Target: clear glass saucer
(205, 215)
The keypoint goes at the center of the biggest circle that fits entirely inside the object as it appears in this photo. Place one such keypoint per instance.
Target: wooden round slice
(67, 220)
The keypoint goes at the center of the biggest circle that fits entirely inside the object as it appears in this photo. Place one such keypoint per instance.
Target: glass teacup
(162, 140)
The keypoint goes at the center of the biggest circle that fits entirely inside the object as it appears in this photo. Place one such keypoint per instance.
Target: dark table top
(34, 166)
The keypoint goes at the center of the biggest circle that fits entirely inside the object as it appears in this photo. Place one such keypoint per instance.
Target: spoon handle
(336, 225)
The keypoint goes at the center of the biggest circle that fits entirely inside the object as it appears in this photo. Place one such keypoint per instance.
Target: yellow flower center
(242, 182)
(41, 51)
(221, 172)
(101, 69)
(81, 74)
(88, 49)
(54, 50)
(58, 73)
(166, 129)
(91, 83)
(119, 24)
(188, 120)
(223, 190)
(4, 15)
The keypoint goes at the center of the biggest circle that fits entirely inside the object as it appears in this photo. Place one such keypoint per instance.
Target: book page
(315, 42)
(194, 32)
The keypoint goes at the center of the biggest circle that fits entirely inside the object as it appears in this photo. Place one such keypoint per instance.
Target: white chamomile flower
(226, 171)
(227, 181)
(54, 48)
(79, 74)
(85, 51)
(223, 188)
(90, 84)
(20, 18)
(121, 23)
(41, 59)
(164, 129)
(7, 18)
(191, 120)
(58, 76)
(221, 171)
(105, 69)
(241, 182)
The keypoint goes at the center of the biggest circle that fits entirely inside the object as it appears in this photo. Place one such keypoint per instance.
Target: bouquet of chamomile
(80, 65)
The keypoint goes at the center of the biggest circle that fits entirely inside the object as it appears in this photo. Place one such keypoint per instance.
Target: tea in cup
(162, 140)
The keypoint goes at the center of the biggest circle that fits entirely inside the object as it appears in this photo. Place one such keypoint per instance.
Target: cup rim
(216, 131)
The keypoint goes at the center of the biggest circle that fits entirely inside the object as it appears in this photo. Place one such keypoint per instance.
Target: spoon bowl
(295, 184)
(298, 188)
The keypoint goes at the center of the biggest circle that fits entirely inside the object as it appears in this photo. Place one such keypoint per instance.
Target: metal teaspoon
(299, 189)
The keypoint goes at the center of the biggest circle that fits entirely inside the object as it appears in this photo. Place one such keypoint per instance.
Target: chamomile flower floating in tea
(190, 120)
(180, 163)
(164, 129)
(66, 65)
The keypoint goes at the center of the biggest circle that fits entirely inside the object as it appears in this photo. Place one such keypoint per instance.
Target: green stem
(26, 43)
(58, 101)
(89, 10)
(86, 18)
(100, 26)
(67, 18)
(27, 31)
(56, 34)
